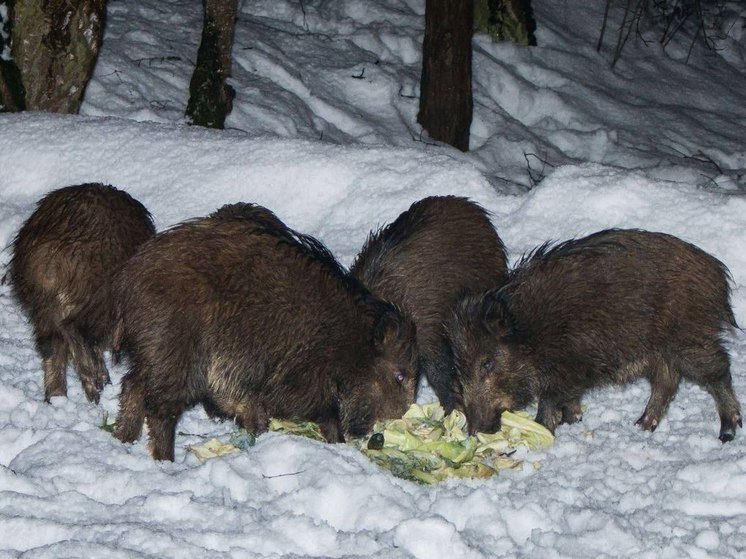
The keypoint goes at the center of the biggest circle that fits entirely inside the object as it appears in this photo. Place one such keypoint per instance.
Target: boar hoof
(102, 380)
(728, 427)
(52, 392)
(572, 413)
(126, 433)
(647, 422)
(727, 436)
(92, 392)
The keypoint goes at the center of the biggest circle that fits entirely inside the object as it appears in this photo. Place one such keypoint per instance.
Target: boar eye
(400, 377)
(488, 365)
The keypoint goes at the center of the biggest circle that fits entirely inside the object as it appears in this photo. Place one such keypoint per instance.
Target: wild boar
(239, 311)
(440, 249)
(64, 257)
(605, 309)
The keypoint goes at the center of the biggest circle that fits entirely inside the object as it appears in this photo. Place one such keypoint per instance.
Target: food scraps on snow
(425, 445)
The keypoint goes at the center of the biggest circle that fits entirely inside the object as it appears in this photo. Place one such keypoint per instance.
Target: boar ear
(496, 314)
(388, 328)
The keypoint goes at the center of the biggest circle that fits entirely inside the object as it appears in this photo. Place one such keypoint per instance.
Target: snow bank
(324, 133)
(605, 488)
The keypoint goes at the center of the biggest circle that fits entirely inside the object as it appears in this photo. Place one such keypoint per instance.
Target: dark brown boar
(64, 257)
(606, 309)
(239, 311)
(441, 248)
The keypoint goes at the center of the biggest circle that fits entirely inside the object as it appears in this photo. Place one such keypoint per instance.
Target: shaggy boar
(606, 309)
(64, 257)
(441, 248)
(238, 311)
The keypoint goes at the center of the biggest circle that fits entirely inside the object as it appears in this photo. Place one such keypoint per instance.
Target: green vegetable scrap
(211, 449)
(243, 439)
(307, 429)
(428, 447)
(425, 445)
(105, 425)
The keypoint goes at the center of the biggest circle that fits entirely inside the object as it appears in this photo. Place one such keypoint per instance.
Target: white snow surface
(655, 144)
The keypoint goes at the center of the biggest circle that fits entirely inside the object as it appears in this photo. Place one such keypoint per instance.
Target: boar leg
(131, 415)
(246, 407)
(212, 410)
(332, 430)
(549, 413)
(730, 414)
(571, 411)
(664, 382)
(440, 378)
(253, 417)
(711, 371)
(727, 406)
(88, 361)
(721, 389)
(53, 350)
(162, 427)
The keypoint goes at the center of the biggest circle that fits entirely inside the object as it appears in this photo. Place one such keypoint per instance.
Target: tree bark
(12, 96)
(55, 44)
(506, 20)
(445, 87)
(210, 97)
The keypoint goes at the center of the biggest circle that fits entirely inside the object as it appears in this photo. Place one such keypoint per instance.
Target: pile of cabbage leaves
(425, 445)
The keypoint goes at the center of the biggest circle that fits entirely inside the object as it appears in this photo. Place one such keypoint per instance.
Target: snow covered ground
(654, 144)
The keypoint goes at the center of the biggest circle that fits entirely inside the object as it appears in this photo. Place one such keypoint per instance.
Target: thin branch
(704, 158)
(303, 9)
(603, 26)
(532, 179)
(185, 434)
(623, 37)
(152, 59)
(291, 33)
(670, 17)
(708, 181)
(420, 140)
(401, 88)
(694, 40)
(283, 475)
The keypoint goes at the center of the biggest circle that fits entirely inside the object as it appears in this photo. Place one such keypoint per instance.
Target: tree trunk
(210, 98)
(506, 20)
(445, 86)
(12, 96)
(55, 45)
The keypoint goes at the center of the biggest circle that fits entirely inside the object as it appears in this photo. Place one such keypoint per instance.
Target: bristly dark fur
(241, 312)
(611, 307)
(549, 250)
(601, 244)
(440, 249)
(373, 256)
(255, 214)
(64, 257)
(307, 245)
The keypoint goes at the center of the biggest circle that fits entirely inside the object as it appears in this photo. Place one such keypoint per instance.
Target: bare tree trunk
(55, 45)
(210, 98)
(445, 87)
(12, 96)
(506, 20)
